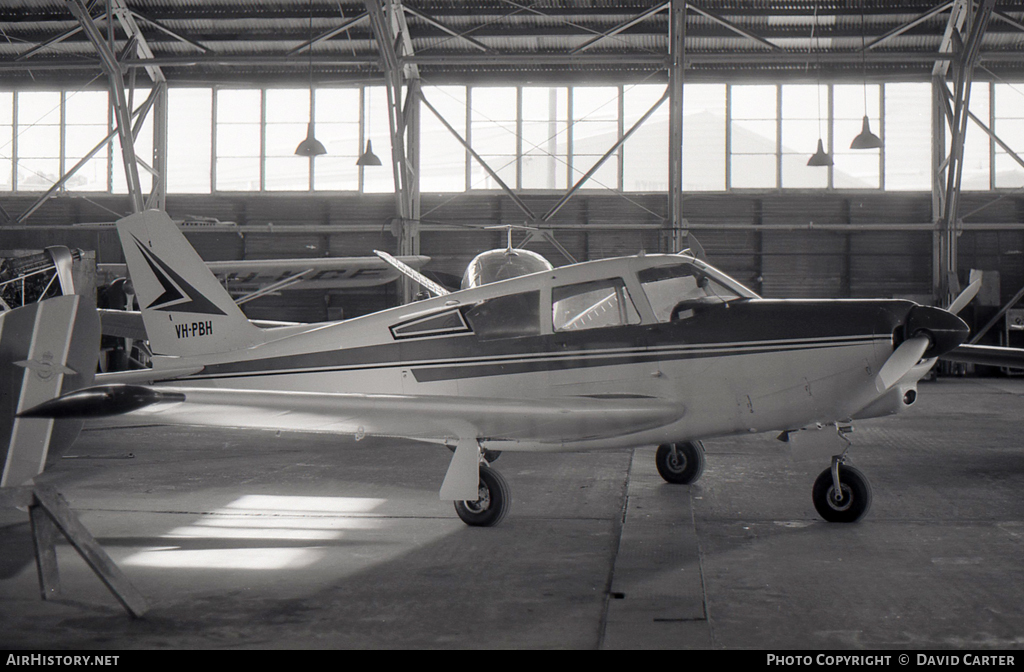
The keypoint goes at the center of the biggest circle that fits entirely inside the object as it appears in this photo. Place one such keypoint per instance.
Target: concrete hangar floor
(242, 539)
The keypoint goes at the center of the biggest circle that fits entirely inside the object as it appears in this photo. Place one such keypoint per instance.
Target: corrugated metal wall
(800, 244)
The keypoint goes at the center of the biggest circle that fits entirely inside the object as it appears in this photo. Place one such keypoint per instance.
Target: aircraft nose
(944, 329)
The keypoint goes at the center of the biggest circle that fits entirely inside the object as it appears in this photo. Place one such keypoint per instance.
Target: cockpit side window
(589, 305)
(674, 291)
(506, 316)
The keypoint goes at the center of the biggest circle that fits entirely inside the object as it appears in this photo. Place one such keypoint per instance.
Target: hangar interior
(583, 129)
(611, 127)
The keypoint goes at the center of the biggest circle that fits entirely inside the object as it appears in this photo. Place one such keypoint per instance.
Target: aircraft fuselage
(732, 363)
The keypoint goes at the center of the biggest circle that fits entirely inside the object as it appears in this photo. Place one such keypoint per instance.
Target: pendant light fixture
(820, 157)
(368, 158)
(866, 139)
(310, 146)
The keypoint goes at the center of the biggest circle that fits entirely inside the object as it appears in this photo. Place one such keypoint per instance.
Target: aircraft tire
(856, 490)
(493, 505)
(685, 467)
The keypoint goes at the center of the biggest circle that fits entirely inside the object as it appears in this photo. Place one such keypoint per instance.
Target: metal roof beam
(132, 30)
(621, 27)
(349, 23)
(450, 31)
(939, 9)
(167, 31)
(733, 27)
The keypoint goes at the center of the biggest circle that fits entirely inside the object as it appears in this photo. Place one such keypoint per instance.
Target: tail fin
(185, 309)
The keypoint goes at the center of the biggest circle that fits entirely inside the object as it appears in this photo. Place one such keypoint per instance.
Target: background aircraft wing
(320, 273)
(430, 418)
(122, 323)
(989, 355)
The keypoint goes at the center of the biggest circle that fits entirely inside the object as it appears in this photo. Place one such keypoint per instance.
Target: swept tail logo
(178, 296)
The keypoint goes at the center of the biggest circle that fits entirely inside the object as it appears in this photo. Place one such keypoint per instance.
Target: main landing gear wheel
(680, 462)
(851, 505)
(495, 499)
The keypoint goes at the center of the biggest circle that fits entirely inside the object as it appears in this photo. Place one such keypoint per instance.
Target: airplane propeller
(901, 361)
(930, 332)
(968, 294)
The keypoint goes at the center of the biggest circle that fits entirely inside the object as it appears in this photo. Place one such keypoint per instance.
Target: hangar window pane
(645, 153)
(337, 126)
(442, 157)
(1008, 124)
(493, 135)
(545, 137)
(6, 140)
(85, 114)
(704, 124)
(591, 305)
(804, 122)
(38, 131)
(977, 145)
(239, 139)
(855, 168)
(595, 130)
(378, 179)
(286, 125)
(189, 140)
(754, 136)
(908, 136)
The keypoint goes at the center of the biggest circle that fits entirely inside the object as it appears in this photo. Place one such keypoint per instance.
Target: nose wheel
(841, 493)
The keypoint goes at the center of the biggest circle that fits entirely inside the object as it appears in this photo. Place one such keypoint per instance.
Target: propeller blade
(968, 294)
(901, 361)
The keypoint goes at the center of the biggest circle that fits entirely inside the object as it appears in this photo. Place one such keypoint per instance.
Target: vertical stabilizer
(185, 309)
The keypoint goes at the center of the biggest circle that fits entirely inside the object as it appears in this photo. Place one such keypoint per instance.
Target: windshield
(682, 287)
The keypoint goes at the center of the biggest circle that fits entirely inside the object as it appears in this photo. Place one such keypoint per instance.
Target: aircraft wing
(122, 323)
(989, 355)
(318, 273)
(428, 418)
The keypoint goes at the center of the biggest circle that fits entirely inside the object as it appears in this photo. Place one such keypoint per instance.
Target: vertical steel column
(121, 105)
(677, 47)
(158, 196)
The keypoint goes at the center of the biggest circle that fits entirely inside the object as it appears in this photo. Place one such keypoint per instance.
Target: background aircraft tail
(47, 349)
(185, 309)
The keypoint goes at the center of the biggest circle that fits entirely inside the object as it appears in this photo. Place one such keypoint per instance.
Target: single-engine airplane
(657, 349)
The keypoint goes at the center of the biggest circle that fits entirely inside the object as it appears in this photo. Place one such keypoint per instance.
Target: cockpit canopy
(675, 291)
(495, 265)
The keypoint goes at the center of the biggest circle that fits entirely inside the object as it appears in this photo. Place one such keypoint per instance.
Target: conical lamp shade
(368, 158)
(310, 146)
(866, 139)
(820, 158)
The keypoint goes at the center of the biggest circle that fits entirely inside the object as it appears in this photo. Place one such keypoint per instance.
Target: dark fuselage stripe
(469, 367)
